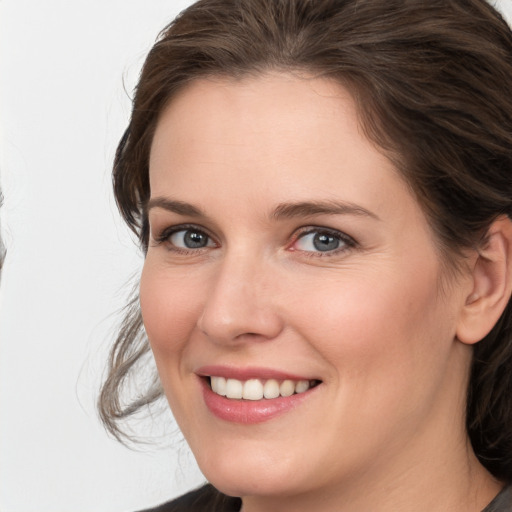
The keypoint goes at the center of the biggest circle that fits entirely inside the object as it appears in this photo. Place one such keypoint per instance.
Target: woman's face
(286, 254)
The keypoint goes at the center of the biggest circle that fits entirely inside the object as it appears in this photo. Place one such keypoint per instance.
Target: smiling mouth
(258, 389)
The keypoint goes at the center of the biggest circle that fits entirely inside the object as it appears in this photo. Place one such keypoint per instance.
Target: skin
(375, 320)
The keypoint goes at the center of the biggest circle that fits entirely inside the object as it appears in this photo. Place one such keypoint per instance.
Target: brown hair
(433, 84)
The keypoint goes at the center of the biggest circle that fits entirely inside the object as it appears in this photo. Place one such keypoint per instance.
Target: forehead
(289, 104)
(275, 117)
(269, 139)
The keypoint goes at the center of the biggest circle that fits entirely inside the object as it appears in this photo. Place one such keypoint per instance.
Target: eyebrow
(311, 208)
(281, 212)
(174, 206)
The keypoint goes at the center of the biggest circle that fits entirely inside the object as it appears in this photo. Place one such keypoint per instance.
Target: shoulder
(206, 499)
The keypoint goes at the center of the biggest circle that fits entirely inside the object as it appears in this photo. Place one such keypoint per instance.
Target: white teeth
(219, 385)
(255, 389)
(287, 388)
(301, 386)
(271, 389)
(234, 388)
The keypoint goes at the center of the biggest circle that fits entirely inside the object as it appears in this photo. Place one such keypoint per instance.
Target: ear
(491, 279)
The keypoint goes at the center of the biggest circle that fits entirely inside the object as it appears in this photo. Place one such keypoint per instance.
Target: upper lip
(246, 373)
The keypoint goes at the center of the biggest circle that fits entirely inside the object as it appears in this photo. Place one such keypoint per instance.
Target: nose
(240, 303)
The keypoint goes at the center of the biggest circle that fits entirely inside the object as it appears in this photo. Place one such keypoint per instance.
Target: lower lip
(251, 411)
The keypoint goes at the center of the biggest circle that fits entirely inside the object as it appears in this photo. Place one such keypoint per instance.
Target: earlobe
(492, 284)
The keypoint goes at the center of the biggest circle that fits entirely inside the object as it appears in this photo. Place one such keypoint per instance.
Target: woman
(322, 190)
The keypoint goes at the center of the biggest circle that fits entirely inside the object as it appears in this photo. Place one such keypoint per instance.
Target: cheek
(379, 328)
(169, 310)
(387, 343)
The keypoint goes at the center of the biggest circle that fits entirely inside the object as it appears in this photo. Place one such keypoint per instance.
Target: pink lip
(230, 372)
(249, 411)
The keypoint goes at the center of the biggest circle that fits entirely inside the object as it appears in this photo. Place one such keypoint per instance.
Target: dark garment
(208, 499)
(502, 502)
(204, 499)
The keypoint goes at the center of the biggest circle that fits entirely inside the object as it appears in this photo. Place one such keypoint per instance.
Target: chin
(242, 476)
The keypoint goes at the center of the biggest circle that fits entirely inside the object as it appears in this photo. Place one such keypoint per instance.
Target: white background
(65, 67)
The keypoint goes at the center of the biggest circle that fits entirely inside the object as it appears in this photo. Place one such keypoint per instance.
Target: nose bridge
(239, 300)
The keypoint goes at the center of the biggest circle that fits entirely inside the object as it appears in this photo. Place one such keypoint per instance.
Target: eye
(323, 241)
(189, 238)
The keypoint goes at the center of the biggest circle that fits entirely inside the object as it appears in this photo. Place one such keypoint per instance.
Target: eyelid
(164, 235)
(348, 241)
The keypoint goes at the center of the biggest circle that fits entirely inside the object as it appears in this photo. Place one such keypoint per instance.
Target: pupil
(323, 242)
(195, 240)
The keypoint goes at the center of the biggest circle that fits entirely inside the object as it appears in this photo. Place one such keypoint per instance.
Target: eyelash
(345, 240)
(165, 236)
